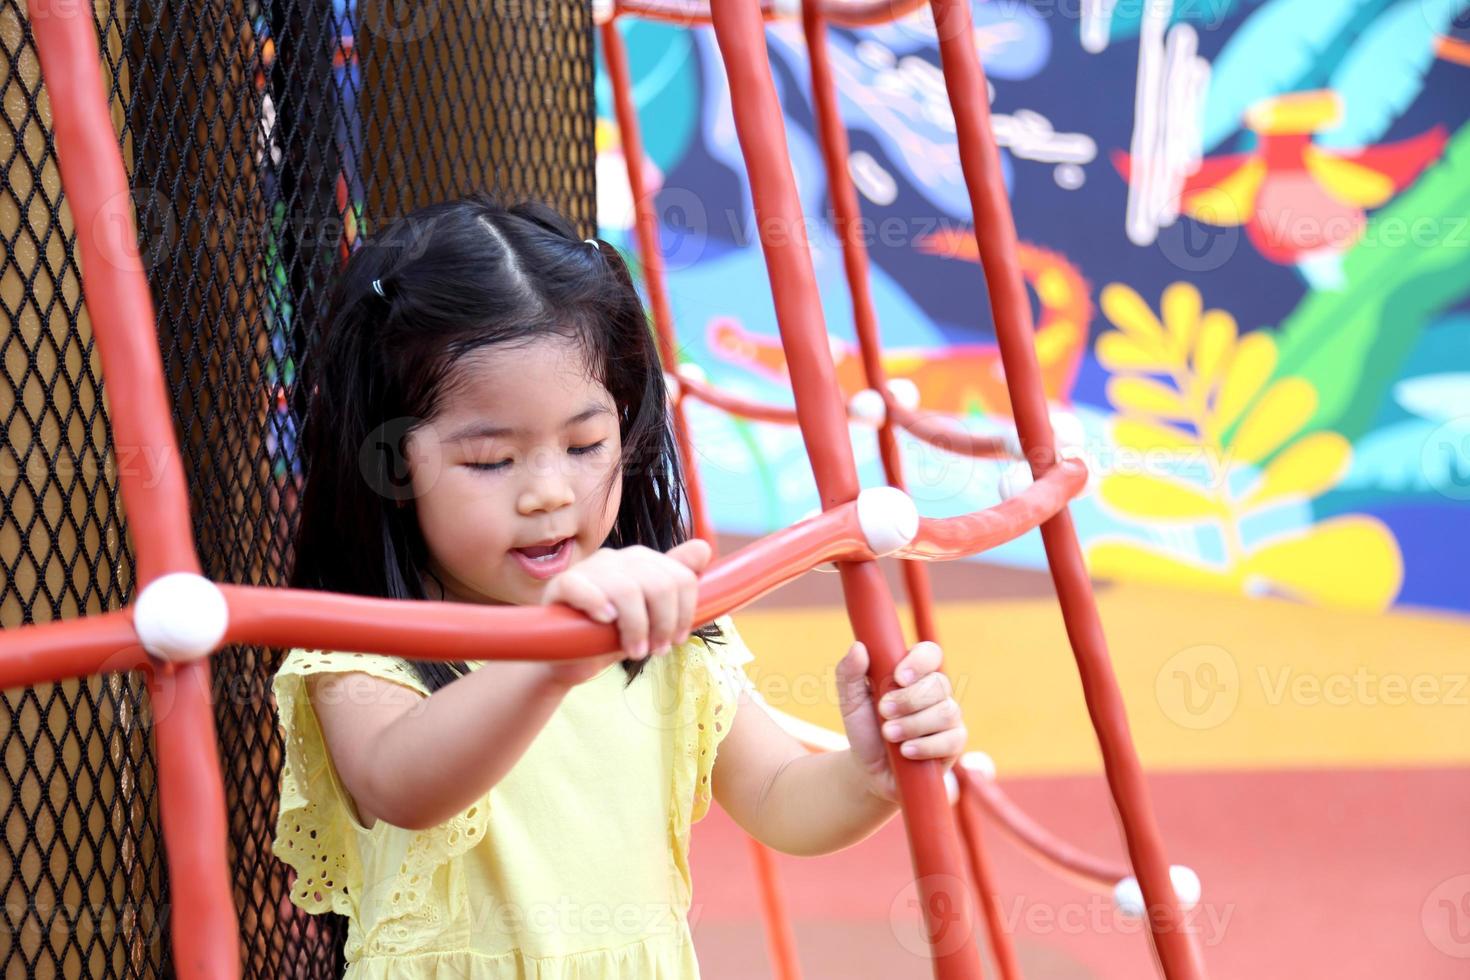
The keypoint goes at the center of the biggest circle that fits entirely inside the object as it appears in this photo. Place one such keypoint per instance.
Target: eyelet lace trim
(710, 683)
(316, 834)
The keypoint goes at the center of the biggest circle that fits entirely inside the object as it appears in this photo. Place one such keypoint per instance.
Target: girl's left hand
(919, 713)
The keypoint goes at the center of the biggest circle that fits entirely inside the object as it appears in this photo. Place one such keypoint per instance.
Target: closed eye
(574, 450)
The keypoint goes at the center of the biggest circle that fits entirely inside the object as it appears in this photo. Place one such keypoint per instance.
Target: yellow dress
(575, 866)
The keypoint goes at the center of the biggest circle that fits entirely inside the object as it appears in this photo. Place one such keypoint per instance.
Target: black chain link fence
(262, 141)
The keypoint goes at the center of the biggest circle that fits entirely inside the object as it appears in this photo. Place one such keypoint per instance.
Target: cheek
(459, 517)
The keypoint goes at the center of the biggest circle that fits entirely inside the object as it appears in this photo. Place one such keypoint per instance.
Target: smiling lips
(544, 561)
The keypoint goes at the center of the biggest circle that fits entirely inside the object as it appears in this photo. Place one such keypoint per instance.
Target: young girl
(489, 425)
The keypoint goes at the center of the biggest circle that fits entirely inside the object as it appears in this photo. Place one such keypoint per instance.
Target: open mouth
(544, 561)
(545, 552)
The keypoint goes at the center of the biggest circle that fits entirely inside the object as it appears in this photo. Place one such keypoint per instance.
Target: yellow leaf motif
(1131, 314)
(1352, 560)
(1280, 414)
(1181, 307)
(1126, 560)
(1145, 436)
(1121, 352)
(1147, 397)
(1216, 343)
(1158, 498)
(1310, 467)
(1254, 360)
(1181, 381)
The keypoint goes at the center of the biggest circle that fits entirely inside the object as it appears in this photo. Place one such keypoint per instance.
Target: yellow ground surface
(1210, 681)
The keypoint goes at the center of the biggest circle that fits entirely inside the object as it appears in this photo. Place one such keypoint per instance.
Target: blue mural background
(1246, 226)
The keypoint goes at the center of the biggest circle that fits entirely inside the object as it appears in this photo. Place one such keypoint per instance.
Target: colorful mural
(1245, 226)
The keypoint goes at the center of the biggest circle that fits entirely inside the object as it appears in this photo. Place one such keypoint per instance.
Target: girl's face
(523, 452)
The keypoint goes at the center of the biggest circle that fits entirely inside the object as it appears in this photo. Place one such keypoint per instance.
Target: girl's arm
(791, 800)
(806, 803)
(416, 762)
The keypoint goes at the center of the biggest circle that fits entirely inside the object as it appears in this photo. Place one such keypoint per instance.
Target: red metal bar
(943, 538)
(119, 304)
(847, 220)
(933, 839)
(428, 630)
(980, 160)
(734, 404)
(986, 892)
(206, 936)
(1087, 870)
(945, 433)
(615, 58)
(843, 13)
(942, 432)
(780, 936)
(80, 647)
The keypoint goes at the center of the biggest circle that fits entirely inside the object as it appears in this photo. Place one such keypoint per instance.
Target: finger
(927, 690)
(852, 676)
(632, 617)
(694, 554)
(935, 718)
(925, 658)
(663, 606)
(941, 745)
(688, 592)
(574, 589)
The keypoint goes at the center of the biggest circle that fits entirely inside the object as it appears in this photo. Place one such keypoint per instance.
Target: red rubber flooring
(1348, 874)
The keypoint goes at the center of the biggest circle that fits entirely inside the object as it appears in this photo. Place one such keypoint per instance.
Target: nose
(547, 487)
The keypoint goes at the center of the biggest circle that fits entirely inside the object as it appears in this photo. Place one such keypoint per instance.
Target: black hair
(439, 283)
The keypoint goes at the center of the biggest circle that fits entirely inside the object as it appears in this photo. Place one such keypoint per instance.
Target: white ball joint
(602, 11)
(1128, 896)
(905, 392)
(1070, 439)
(867, 407)
(980, 763)
(180, 617)
(888, 517)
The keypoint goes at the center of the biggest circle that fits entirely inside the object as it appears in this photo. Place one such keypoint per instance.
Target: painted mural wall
(1245, 226)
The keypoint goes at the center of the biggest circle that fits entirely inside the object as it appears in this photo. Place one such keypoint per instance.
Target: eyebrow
(484, 430)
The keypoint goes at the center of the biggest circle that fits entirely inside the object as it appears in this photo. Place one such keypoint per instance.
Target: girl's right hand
(650, 594)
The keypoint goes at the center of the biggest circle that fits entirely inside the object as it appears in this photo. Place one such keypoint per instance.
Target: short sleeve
(316, 832)
(725, 665)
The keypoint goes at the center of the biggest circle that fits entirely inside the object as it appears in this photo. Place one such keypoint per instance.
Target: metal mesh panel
(263, 140)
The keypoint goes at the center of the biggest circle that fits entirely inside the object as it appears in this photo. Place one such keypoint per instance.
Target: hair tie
(593, 243)
(378, 288)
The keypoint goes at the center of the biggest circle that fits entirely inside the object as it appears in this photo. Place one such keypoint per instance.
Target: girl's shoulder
(303, 662)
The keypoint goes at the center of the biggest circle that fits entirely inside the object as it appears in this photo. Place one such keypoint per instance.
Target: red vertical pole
(980, 160)
(616, 58)
(206, 938)
(928, 819)
(985, 890)
(847, 218)
(780, 937)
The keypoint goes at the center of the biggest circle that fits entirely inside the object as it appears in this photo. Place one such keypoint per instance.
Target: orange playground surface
(1313, 772)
